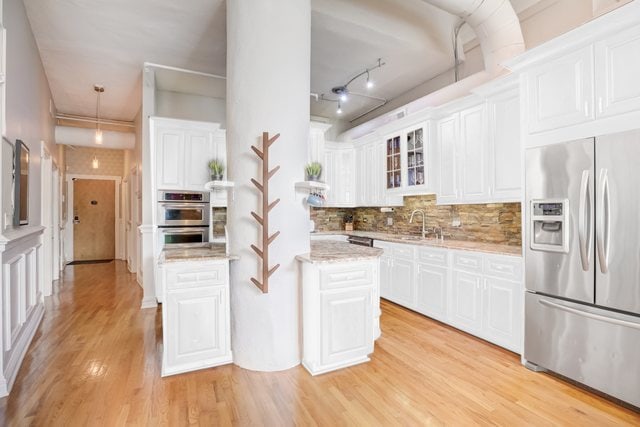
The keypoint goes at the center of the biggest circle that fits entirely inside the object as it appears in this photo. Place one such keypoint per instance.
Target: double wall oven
(183, 217)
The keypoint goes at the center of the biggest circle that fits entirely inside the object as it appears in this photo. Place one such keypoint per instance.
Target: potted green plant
(217, 169)
(314, 170)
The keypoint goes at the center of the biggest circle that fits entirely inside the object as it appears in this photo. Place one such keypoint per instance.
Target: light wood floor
(96, 361)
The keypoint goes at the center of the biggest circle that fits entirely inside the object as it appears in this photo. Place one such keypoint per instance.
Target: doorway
(94, 220)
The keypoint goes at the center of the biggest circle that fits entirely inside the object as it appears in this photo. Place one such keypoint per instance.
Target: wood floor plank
(96, 359)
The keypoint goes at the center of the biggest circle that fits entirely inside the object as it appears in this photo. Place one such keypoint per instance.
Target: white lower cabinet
(466, 301)
(479, 293)
(340, 313)
(432, 284)
(195, 316)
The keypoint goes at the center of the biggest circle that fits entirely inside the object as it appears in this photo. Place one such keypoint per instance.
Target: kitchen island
(195, 311)
(340, 305)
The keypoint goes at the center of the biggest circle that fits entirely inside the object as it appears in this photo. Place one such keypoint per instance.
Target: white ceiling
(83, 42)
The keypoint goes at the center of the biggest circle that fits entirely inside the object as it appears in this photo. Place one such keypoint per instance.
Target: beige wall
(28, 98)
(78, 161)
(191, 107)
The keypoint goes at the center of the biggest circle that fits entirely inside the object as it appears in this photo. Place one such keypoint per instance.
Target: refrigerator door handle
(604, 223)
(585, 222)
(590, 315)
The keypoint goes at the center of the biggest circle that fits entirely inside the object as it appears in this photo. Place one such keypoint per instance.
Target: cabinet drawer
(432, 256)
(403, 251)
(345, 275)
(508, 268)
(467, 261)
(191, 277)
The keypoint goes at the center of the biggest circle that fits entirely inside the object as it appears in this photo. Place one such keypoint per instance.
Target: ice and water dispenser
(550, 225)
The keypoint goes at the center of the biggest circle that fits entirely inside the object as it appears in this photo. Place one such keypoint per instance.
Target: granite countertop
(195, 252)
(327, 251)
(493, 248)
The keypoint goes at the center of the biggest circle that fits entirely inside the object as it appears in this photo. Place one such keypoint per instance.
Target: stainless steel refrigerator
(582, 257)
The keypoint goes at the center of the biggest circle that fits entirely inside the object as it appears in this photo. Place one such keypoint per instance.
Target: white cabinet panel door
(505, 148)
(617, 73)
(169, 159)
(403, 288)
(198, 152)
(447, 135)
(196, 323)
(432, 287)
(347, 177)
(361, 176)
(346, 325)
(503, 312)
(472, 155)
(385, 277)
(560, 92)
(466, 301)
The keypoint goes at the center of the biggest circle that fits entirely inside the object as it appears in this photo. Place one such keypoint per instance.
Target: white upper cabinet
(339, 173)
(183, 150)
(560, 92)
(473, 154)
(169, 158)
(406, 155)
(505, 147)
(617, 73)
(447, 135)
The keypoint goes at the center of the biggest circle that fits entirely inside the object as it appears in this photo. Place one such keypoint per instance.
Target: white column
(268, 63)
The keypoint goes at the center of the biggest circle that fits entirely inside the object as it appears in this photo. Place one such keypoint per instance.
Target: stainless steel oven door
(181, 214)
(171, 236)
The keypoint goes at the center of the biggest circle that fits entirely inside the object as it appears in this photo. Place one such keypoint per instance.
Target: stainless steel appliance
(582, 305)
(359, 240)
(182, 235)
(183, 208)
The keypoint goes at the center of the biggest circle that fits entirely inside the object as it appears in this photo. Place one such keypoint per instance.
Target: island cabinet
(340, 311)
(195, 315)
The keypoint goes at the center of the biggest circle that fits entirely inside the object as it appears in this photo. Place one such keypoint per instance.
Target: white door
(196, 322)
(346, 325)
(465, 311)
(219, 151)
(55, 205)
(347, 177)
(560, 92)
(170, 159)
(361, 176)
(472, 154)
(617, 71)
(330, 178)
(385, 277)
(403, 289)
(447, 135)
(505, 148)
(432, 287)
(198, 149)
(47, 220)
(502, 312)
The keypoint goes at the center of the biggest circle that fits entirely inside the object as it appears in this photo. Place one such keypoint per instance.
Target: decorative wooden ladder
(266, 208)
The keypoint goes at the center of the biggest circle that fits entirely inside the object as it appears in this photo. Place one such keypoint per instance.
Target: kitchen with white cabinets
(342, 213)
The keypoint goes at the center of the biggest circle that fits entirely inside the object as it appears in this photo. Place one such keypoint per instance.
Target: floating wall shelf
(311, 186)
(219, 185)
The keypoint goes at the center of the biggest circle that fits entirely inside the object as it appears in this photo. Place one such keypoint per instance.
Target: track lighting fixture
(342, 92)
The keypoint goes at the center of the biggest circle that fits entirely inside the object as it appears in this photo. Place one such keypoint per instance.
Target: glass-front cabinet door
(394, 163)
(415, 157)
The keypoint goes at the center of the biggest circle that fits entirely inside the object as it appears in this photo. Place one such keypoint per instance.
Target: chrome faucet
(424, 230)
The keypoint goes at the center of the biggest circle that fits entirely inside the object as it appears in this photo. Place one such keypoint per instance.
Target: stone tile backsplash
(491, 223)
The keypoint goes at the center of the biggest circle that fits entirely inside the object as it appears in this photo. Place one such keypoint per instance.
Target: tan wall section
(78, 161)
(492, 223)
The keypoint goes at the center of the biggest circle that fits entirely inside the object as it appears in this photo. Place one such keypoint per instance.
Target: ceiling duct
(85, 137)
(496, 25)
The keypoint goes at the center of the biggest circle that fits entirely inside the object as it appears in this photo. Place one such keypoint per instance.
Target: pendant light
(95, 163)
(99, 89)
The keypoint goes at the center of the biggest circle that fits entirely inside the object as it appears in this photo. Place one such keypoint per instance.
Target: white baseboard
(149, 302)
